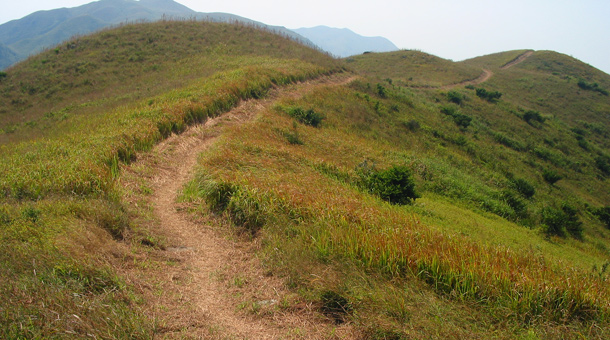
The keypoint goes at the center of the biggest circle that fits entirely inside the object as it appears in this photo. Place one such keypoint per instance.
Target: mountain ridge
(44, 29)
(343, 42)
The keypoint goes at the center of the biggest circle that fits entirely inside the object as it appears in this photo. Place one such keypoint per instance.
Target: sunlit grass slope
(70, 117)
(489, 236)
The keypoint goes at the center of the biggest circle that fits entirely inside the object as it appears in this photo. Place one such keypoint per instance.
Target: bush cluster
(562, 220)
(603, 164)
(551, 176)
(508, 142)
(592, 87)
(490, 96)
(395, 184)
(533, 116)
(381, 91)
(603, 214)
(307, 117)
(459, 118)
(455, 97)
(524, 187)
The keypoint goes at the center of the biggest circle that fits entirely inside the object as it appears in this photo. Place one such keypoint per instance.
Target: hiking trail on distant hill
(488, 73)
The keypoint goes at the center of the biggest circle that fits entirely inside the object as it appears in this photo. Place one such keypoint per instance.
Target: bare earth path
(517, 61)
(481, 79)
(488, 73)
(203, 284)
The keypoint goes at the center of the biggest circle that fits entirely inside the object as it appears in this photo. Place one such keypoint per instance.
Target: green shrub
(533, 116)
(508, 142)
(455, 97)
(490, 96)
(583, 143)
(449, 110)
(307, 117)
(517, 204)
(381, 91)
(460, 119)
(292, 136)
(592, 87)
(560, 221)
(395, 184)
(412, 125)
(571, 222)
(524, 187)
(553, 220)
(603, 164)
(603, 214)
(551, 176)
(3, 75)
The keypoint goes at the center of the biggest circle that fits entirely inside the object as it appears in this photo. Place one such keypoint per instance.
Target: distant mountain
(37, 31)
(342, 42)
(7, 56)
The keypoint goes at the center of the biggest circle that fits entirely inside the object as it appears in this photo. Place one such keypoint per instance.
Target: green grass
(60, 207)
(463, 238)
(412, 69)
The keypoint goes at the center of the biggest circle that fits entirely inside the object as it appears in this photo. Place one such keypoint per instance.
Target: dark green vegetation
(479, 219)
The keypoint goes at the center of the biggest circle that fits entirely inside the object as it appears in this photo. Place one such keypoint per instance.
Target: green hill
(396, 201)
(412, 68)
(45, 29)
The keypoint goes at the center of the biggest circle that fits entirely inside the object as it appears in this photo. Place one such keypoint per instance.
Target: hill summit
(45, 29)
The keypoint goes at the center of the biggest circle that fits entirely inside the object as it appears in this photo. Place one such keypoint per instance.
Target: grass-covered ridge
(93, 74)
(412, 68)
(60, 210)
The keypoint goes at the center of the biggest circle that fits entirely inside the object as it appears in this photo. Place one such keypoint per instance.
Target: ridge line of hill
(521, 58)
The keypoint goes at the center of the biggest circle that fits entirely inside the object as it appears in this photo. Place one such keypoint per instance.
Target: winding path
(207, 285)
(488, 73)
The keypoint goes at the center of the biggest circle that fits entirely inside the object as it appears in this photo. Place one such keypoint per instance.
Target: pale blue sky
(450, 29)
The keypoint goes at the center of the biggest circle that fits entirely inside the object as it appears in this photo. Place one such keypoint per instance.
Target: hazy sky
(450, 29)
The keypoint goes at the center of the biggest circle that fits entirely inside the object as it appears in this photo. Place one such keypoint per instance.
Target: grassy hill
(392, 203)
(70, 117)
(44, 29)
(412, 69)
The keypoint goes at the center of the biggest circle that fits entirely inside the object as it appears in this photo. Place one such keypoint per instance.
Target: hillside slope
(373, 203)
(71, 118)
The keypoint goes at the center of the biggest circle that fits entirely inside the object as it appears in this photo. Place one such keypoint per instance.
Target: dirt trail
(203, 284)
(517, 61)
(481, 79)
(488, 73)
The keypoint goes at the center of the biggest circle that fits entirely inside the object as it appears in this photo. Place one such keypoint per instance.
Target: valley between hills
(197, 180)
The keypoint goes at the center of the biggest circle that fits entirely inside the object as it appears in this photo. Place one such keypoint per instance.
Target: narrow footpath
(206, 283)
